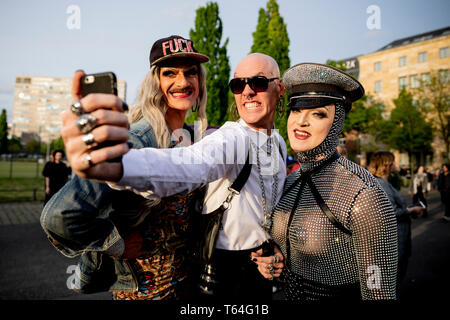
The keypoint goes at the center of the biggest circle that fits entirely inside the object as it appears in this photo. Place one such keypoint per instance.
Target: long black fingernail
(124, 106)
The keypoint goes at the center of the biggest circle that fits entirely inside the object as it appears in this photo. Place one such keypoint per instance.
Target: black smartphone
(104, 82)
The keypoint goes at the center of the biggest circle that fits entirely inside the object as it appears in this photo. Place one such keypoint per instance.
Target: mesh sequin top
(322, 261)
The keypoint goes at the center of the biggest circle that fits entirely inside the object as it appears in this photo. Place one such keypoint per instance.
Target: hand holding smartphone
(105, 82)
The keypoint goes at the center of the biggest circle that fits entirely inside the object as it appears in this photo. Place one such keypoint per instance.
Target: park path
(20, 212)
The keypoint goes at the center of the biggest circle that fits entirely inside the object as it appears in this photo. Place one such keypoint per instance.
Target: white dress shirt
(215, 160)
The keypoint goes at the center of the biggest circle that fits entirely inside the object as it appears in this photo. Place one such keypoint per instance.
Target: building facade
(38, 104)
(406, 63)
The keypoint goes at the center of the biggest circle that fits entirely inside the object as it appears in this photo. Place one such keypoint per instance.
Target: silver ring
(89, 140)
(88, 159)
(270, 268)
(77, 108)
(276, 258)
(86, 122)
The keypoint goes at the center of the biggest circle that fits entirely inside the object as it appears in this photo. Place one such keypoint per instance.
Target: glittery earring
(195, 107)
(280, 107)
(233, 111)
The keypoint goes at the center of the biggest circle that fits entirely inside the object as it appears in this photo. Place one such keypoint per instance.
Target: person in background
(429, 179)
(419, 188)
(56, 174)
(444, 189)
(436, 175)
(291, 165)
(381, 165)
(342, 150)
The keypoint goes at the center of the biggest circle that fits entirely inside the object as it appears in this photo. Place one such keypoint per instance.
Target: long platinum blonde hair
(151, 105)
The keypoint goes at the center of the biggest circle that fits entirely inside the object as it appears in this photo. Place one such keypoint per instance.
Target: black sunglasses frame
(251, 82)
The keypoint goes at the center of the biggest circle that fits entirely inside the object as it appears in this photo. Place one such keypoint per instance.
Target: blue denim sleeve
(77, 218)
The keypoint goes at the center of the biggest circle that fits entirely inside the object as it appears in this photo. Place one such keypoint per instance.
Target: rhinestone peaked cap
(312, 85)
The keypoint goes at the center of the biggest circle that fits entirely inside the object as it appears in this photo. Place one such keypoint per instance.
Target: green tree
(32, 147)
(57, 144)
(3, 132)
(207, 36)
(14, 145)
(366, 116)
(337, 64)
(410, 132)
(271, 38)
(434, 100)
(261, 35)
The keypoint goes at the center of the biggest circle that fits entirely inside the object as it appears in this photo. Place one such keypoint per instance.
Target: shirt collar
(259, 137)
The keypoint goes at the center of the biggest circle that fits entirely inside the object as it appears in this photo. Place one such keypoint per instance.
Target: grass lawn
(20, 186)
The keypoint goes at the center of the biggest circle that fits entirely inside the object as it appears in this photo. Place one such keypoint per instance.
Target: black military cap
(313, 85)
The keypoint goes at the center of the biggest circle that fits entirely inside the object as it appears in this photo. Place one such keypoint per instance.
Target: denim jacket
(88, 218)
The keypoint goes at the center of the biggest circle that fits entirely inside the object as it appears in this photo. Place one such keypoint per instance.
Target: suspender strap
(325, 208)
(237, 185)
(243, 176)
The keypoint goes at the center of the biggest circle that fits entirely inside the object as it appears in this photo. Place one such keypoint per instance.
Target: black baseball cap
(175, 47)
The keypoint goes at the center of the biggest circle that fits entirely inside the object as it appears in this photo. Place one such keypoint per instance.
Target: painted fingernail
(124, 106)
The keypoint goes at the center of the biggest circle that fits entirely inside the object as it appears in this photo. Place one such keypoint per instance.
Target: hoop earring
(280, 107)
(195, 107)
(233, 111)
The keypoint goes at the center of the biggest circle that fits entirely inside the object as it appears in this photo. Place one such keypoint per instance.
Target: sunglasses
(257, 84)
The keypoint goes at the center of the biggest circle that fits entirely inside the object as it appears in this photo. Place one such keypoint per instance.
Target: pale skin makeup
(308, 128)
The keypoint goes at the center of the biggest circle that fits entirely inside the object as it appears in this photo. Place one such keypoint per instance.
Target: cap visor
(312, 102)
(191, 55)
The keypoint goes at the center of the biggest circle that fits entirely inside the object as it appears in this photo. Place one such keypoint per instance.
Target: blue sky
(117, 35)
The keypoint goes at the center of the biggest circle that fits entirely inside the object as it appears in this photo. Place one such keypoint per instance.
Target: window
(23, 80)
(403, 83)
(443, 76)
(414, 81)
(378, 86)
(426, 79)
(444, 52)
(377, 66)
(403, 61)
(423, 56)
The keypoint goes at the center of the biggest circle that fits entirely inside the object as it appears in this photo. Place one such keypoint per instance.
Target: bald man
(216, 161)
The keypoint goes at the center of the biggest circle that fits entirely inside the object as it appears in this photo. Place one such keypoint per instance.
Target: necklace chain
(267, 222)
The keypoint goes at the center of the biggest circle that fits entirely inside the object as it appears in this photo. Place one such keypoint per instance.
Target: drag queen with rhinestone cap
(334, 223)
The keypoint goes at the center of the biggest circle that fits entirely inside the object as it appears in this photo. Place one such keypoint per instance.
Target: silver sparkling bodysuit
(323, 262)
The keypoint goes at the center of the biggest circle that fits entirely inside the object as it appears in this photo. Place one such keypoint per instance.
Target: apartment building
(38, 104)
